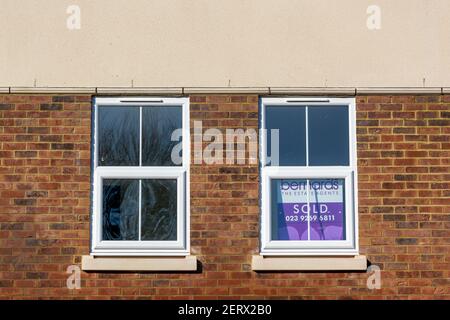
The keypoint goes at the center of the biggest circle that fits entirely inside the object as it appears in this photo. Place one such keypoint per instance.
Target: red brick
(403, 213)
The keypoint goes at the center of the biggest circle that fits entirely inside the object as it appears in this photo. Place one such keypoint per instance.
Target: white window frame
(179, 247)
(349, 246)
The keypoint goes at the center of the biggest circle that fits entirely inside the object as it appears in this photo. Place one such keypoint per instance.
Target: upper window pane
(158, 124)
(291, 123)
(328, 136)
(118, 136)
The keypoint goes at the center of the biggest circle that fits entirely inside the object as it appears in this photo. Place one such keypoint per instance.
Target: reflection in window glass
(120, 209)
(118, 136)
(159, 209)
(158, 124)
(328, 136)
(292, 133)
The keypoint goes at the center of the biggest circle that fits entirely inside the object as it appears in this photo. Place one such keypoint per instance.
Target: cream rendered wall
(207, 43)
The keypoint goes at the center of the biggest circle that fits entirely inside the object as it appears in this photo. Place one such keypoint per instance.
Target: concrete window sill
(97, 263)
(353, 263)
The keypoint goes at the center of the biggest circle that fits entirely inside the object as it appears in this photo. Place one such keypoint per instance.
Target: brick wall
(404, 207)
(404, 211)
(44, 191)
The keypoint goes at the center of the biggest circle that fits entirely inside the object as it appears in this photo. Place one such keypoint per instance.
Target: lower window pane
(289, 209)
(327, 209)
(159, 209)
(120, 209)
(290, 206)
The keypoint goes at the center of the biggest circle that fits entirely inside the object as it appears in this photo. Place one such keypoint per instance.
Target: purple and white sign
(326, 209)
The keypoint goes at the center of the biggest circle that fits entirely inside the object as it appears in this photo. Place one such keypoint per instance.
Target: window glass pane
(289, 203)
(289, 209)
(328, 136)
(158, 124)
(118, 136)
(291, 123)
(120, 209)
(159, 209)
(327, 209)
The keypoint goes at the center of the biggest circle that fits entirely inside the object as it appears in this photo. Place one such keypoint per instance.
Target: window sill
(96, 263)
(353, 263)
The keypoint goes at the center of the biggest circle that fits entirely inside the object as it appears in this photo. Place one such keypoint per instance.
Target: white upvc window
(140, 176)
(308, 176)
